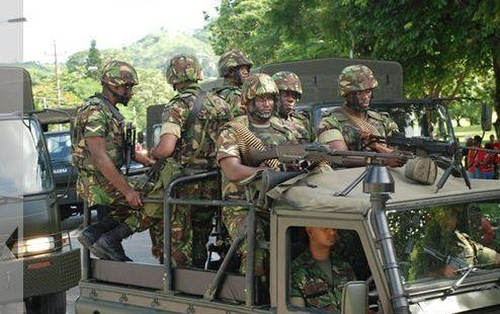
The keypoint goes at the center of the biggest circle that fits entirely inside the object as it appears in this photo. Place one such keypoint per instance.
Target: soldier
(290, 88)
(191, 121)
(98, 154)
(444, 249)
(234, 66)
(259, 93)
(350, 126)
(318, 275)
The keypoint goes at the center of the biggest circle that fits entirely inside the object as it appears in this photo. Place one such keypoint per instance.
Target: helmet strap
(353, 102)
(122, 99)
(236, 76)
(256, 114)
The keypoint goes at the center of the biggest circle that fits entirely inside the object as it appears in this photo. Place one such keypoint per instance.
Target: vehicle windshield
(59, 146)
(24, 162)
(443, 242)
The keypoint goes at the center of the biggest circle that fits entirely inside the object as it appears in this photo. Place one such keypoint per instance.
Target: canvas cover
(315, 192)
(15, 90)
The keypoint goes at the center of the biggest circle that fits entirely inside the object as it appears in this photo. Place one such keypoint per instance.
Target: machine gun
(455, 262)
(129, 143)
(448, 153)
(313, 153)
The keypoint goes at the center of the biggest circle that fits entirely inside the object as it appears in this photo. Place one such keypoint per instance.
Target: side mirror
(355, 298)
(486, 117)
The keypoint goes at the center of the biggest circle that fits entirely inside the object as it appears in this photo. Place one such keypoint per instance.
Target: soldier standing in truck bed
(234, 66)
(350, 126)
(259, 125)
(190, 125)
(290, 89)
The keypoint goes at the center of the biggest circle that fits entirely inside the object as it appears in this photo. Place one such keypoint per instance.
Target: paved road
(137, 247)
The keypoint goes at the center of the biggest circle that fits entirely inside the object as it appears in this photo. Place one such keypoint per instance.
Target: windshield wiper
(468, 270)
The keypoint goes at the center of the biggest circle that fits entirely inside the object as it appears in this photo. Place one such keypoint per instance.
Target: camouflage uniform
(299, 122)
(311, 284)
(98, 117)
(339, 124)
(230, 91)
(194, 152)
(227, 146)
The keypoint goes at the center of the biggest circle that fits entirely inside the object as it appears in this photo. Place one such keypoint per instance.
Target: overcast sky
(112, 23)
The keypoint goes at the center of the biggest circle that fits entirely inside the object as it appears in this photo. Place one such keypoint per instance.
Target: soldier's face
(244, 72)
(262, 107)
(288, 99)
(325, 237)
(364, 97)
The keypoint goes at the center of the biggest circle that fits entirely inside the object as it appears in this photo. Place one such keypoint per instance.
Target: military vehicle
(381, 234)
(37, 259)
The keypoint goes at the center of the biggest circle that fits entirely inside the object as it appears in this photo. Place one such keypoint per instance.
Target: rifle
(455, 262)
(449, 153)
(151, 175)
(313, 153)
(129, 142)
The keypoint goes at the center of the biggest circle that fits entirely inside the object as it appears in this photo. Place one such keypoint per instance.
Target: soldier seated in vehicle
(257, 127)
(290, 89)
(444, 249)
(318, 274)
(350, 126)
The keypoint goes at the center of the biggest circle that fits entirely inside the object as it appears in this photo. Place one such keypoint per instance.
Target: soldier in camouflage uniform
(234, 66)
(259, 94)
(290, 88)
(318, 275)
(98, 154)
(188, 144)
(350, 126)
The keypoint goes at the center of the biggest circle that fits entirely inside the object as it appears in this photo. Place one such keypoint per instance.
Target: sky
(112, 23)
(11, 48)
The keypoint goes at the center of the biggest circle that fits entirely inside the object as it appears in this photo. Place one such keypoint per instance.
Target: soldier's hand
(448, 271)
(133, 198)
(395, 162)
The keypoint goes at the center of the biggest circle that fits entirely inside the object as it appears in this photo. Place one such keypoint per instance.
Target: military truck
(38, 261)
(382, 235)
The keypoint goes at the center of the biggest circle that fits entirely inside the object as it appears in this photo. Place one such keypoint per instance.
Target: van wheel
(53, 303)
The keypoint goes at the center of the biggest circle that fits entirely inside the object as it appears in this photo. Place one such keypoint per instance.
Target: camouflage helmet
(232, 59)
(288, 81)
(182, 68)
(119, 73)
(356, 78)
(257, 85)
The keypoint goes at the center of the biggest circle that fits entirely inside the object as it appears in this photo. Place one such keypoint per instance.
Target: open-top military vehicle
(37, 260)
(383, 236)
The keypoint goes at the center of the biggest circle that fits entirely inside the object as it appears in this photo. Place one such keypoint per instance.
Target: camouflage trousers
(233, 218)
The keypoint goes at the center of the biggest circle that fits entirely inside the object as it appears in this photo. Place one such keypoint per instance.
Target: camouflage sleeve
(299, 280)
(227, 144)
(174, 117)
(485, 255)
(329, 130)
(96, 123)
(222, 115)
(391, 127)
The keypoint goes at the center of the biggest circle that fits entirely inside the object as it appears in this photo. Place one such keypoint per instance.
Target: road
(137, 247)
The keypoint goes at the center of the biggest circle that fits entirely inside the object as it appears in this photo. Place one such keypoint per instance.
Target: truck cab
(37, 259)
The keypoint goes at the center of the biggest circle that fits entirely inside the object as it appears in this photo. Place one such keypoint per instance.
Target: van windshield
(444, 242)
(24, 162)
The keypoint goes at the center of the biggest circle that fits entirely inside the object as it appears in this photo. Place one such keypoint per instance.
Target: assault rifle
(447, 153)
(455, 262)
(296, 154)
(129, 143)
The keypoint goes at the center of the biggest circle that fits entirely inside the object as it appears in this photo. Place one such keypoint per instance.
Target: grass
(463, 132)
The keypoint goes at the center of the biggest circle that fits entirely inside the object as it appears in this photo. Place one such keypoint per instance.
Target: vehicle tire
(53, 303)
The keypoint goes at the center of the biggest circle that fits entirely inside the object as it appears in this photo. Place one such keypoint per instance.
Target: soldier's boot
(93, 232)
(110, 243)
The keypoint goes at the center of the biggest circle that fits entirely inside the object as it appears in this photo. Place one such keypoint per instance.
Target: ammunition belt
(246, 140)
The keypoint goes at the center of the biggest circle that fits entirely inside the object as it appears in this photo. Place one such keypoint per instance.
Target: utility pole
(58, 83)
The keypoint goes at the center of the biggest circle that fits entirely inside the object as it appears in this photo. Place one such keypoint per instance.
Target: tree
(439, 43)
(94, 60)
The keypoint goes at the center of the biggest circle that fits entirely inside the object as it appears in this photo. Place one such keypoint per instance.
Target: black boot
(110, 244)
(91, 234)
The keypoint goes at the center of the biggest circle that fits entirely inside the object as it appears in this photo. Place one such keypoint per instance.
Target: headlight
(34, 245)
